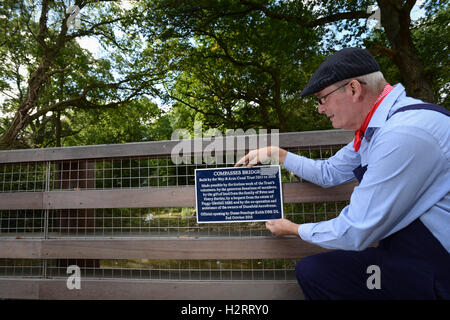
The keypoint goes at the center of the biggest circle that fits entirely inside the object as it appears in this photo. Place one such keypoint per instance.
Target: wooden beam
(121, 198)
(125, 289)
(296, 192)
(21, 200)
(308, 139)
(314, 139)
(293, 192)
(179, 248)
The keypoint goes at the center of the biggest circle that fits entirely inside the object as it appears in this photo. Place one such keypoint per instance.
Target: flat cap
(344, 64)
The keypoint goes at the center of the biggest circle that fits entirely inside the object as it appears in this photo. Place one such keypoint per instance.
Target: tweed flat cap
(344, 64)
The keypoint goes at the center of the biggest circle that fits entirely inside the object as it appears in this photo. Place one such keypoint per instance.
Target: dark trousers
(412, 264)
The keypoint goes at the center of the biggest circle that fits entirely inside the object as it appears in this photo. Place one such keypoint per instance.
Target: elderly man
(400, 155)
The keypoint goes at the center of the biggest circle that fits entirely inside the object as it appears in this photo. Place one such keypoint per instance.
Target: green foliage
(76, 85)
(229, 63)
(237, 68)
(126, 123)
(432, 38)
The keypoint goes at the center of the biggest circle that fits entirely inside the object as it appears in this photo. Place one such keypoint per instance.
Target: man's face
(339, 106)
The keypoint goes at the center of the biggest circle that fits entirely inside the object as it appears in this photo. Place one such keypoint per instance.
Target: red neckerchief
(359, 134)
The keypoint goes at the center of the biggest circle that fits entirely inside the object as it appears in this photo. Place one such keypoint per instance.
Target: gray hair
(375, 81)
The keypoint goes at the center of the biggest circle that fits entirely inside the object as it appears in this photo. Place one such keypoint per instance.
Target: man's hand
(282, 227)
(262, 155)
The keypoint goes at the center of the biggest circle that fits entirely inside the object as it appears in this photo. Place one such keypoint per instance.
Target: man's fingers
(269, 225)
(249, 160)
(243, 161)
(240, 162)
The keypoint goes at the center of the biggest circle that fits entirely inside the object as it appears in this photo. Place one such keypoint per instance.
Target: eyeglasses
(321, 99)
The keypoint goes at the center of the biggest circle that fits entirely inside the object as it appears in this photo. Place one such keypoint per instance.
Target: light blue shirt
(407, 177)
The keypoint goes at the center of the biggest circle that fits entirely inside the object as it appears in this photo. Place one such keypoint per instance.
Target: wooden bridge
(124, 215)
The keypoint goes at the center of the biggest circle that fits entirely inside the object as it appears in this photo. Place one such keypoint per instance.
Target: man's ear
(356, 90)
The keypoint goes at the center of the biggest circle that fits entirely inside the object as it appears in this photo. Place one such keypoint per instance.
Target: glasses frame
(320, 100)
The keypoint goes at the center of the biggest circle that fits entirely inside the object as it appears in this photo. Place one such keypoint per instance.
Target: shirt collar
(381, 114)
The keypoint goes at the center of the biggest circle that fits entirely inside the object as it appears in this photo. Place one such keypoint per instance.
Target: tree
(138, 120)
(243, 63)
(430, 35)
(395, 18)
(229, 63)
(236, 67)
(396, 21)
(61, 76)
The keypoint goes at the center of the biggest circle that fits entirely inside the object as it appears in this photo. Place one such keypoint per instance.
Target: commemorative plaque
(238, 194)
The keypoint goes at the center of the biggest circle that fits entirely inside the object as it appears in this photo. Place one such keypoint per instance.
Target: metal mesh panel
(148, 222)
(129, 172)
(251, 269)
(22, 177)
(21, 268)
(22, 223)
(138, 172)
(145, 222)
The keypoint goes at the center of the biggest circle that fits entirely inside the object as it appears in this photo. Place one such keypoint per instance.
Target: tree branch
(81, 101)
(409, 5)
(91, 29)
(272, 14)
(385, 51)
(341, 16)
(302, 22)
(228, 56)
(43, 25)
(58, 71)
(195, 108)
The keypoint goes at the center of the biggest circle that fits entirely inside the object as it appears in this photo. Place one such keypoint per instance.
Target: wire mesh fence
(117, 173)
(127, 223)
(144, 222)
(146, 269)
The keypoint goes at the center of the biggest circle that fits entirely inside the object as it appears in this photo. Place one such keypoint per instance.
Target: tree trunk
(277, 101)
(396, 21)
(21, 119)
(37, 81)
(57, 117)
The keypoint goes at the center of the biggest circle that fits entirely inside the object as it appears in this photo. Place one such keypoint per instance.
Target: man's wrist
(277, 153)
(295, 230)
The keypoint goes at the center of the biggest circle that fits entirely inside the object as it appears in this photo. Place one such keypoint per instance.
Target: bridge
(124, 215)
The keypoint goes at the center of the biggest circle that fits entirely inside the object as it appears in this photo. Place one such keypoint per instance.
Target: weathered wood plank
(307, 192)
(160, 248)
(147, 290)
(21, 200)
(124, 198)
(314, 139)
(20, 249)
(164, 148)
(184, 196)
(19, 288)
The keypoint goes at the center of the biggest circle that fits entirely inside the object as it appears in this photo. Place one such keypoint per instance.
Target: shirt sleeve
(336, 170)
(402, 164)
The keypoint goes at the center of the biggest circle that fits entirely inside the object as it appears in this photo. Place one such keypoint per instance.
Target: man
(401, 155)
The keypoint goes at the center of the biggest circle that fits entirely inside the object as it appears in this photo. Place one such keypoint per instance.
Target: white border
(239, 221)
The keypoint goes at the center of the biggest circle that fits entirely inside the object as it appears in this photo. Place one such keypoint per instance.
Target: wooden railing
(57, 209)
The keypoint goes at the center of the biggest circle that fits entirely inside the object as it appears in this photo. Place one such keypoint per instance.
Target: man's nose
(320, 108)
